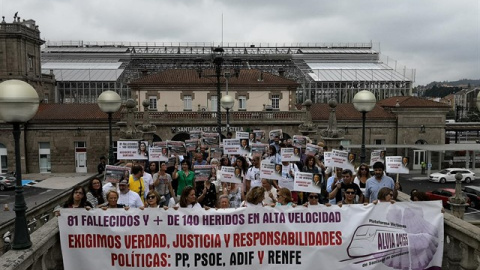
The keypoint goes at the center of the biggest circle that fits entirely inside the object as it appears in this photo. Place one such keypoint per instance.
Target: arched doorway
(156, 138)
(181, 137)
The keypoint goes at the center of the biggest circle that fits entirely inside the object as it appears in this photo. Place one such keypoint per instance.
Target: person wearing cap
(128, 197)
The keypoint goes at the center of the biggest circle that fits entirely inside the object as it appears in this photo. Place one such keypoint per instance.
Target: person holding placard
(185, 177)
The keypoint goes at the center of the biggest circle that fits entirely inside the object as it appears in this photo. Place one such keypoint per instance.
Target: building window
(213, 101)
(275, 102)
(187, 103)
(153, 103)
(242, 102)
(30, 63)
(379, 141)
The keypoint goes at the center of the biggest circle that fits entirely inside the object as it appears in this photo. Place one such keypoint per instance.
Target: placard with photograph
(210, 139)
(270, 170)
(195, 135)
(215, 152)
(259, 149)
(300, 141)
(304, 182)
(275, 132)
(377, 155)
(136, 150)
(177, 148)
(244, 147)
(312, 149)
(114, 174)
(192, 145)
(288, 154)
(259, 135)
(397, 164)
(156, 153)
(340, 160)
(202, 172)
(227, 175)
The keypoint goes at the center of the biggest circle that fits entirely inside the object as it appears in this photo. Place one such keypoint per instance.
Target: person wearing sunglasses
(385, 194)
(153, 199)
(349, 195)
(363, 173)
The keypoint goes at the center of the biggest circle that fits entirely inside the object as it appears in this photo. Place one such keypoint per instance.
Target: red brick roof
(346, 111)
(248, 77)
(74, 112)
(410, 102)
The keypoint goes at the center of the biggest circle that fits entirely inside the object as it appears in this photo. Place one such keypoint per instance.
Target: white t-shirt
(253, 174)
(130, 199)
(148, 181)
(267, 200)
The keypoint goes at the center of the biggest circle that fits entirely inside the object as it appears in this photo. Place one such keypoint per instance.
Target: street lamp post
(109, 102)
(18, 104)
(218, 61)
(227, 103)
(364, 101)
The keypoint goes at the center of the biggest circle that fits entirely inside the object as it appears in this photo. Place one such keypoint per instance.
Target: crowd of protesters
(154, 185)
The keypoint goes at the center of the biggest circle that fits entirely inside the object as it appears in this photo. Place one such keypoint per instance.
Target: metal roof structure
(340, 72)
(86, 75)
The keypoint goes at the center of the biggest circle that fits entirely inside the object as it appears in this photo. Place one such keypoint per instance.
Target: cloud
(438, 38)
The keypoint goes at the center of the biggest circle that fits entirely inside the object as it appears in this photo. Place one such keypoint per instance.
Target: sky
(439, 39)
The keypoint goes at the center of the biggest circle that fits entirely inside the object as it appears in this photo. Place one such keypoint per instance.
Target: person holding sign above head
(185, 177)
(206, 193)
(378, 181)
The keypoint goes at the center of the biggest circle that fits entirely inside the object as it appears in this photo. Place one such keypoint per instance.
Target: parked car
(443, 194)
(6, 182)
(448, 175)
(473, 193)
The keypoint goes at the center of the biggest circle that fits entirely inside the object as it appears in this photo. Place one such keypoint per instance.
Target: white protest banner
(395, 164)
(157, 153)
(403, 235)
(327, 159)
(132, 150)
(114, 174)
(312, 149)
(227, 174)
(288, 154)
(340, 160)
(270, 170)
(231, 146)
